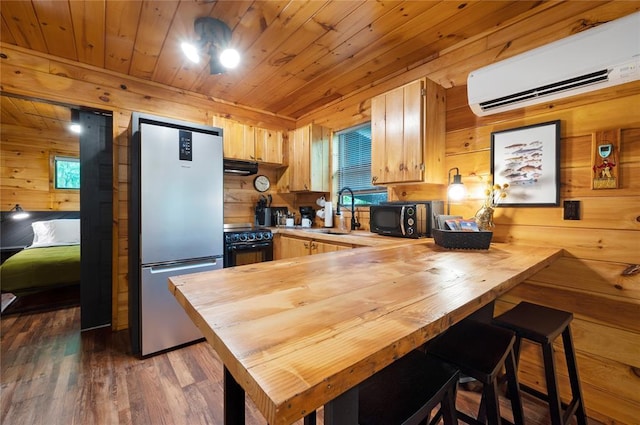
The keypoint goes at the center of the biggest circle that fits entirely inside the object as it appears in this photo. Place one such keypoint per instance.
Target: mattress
(35, 269)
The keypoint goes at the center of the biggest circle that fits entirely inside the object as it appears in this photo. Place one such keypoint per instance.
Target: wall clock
(261, 183)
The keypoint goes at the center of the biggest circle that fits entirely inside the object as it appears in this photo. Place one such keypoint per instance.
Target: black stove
(245, 244)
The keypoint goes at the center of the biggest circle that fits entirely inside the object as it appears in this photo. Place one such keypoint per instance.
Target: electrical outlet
(572, 210)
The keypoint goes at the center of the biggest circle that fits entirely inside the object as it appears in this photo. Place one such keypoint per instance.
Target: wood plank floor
(53, 374)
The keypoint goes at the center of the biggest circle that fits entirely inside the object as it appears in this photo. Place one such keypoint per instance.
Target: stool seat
(535, 322)
(480, 351)
(543, 325)
(406, 391)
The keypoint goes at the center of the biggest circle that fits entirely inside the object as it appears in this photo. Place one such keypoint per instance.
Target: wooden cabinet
(246, 142)
(408, 134)
(268, 146)
(291, 247)
(308, 159)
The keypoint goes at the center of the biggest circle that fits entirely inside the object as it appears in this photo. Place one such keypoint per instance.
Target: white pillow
(62, 231)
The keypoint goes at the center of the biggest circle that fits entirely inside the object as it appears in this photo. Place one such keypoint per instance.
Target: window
(66, 172)
(354, 166)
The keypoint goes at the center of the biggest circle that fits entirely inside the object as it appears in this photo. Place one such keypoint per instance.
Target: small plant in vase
(494, 194)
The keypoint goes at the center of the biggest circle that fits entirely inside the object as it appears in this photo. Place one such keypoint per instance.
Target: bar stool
(406, 391)
(480, 351)
(543, 325)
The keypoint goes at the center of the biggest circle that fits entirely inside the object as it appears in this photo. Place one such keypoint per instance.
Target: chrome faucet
(354, 222)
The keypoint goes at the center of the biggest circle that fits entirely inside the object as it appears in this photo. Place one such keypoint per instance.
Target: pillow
(52, 232)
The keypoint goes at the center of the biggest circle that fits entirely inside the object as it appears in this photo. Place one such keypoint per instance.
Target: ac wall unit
(600, 57)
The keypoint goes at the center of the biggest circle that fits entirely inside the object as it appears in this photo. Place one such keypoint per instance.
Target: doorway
(96, 192)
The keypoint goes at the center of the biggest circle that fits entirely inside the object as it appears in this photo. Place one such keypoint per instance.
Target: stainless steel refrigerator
(175, 223)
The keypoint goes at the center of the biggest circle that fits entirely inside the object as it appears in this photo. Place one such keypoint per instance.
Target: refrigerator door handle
(181, 267)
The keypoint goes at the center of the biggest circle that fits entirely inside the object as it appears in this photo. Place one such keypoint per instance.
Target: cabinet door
(268, 146)
(238, 140)
(397, 135)
(319, 167)
(309, 159)
(322, 247)
(300, 159)
(293, 247)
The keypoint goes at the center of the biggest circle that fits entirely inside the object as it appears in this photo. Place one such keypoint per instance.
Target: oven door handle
(245, 247)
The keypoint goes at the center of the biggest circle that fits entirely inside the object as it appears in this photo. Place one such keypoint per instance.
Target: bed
(50, 261)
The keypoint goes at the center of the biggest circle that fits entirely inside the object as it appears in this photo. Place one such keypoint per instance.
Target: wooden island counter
(302, 333)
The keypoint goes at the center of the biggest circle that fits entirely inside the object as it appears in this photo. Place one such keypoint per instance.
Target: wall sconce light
(215, 37)
(456, 190)
(17, 213)
(75, 126)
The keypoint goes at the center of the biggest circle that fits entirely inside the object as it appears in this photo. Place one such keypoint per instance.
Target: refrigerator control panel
(186, 152)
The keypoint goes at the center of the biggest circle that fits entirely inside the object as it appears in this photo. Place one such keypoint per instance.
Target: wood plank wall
(589, 280)
(26, 157)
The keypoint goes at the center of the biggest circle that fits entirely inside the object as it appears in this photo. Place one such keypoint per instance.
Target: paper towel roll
(328, 214)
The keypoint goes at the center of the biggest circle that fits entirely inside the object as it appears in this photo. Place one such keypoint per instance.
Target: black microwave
(406, 219)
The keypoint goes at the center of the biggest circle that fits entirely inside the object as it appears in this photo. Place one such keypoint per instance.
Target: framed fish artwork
(528, 160)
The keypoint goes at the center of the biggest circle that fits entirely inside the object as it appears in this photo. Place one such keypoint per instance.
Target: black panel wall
(96, 200)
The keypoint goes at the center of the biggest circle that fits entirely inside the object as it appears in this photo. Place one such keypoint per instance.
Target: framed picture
(528, 159)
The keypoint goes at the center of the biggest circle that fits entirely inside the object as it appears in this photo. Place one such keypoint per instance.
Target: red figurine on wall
(604, 170)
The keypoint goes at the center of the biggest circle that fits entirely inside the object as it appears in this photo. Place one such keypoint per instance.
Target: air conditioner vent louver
(571, 83)
(604, 56)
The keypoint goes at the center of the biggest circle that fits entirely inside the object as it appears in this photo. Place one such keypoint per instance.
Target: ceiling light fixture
(215, 38)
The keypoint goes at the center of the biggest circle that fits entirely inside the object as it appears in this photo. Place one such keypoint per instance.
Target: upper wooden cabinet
(268, 146)
(408, 134)
(309, 159)
(246, 142)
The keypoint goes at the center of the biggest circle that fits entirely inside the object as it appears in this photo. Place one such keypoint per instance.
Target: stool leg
(555, 408)
(513, 388)
(574, 379)
(448, 407)
(492, 405)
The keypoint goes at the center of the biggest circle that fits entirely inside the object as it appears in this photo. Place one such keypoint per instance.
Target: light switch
(572, 210)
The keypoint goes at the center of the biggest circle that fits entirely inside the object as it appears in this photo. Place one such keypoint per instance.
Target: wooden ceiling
(296, 55)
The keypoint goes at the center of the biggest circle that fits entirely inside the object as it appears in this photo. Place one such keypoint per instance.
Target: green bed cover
(35, 269)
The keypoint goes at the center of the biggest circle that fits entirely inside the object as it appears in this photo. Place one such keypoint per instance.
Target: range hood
(240, 168)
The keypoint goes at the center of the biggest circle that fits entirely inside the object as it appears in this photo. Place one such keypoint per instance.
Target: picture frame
(528, 159)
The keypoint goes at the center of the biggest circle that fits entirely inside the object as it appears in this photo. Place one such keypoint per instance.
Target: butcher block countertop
(298, 333)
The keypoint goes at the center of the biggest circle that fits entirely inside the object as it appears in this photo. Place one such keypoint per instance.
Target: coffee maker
(307, 214)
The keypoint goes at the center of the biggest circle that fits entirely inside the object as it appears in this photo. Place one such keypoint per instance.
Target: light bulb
(75, 128)
(456, 192)
(191, 52)
(229, 58)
